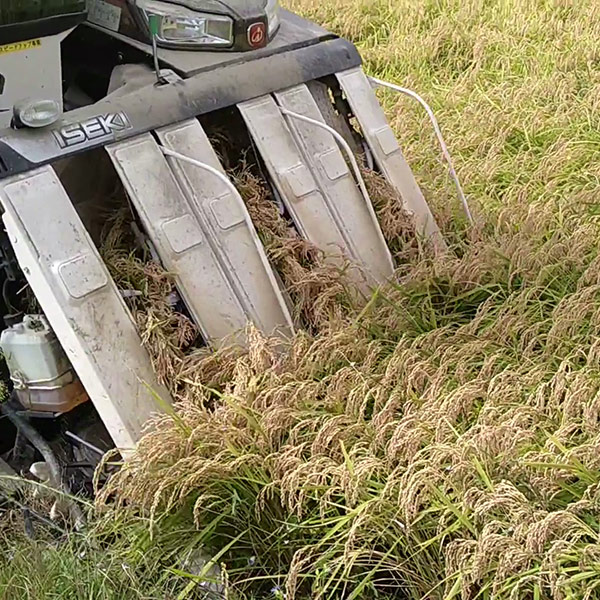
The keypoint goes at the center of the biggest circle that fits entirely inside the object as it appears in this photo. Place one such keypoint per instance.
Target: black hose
(42, 446)
(38, 442)
(33, 513)
(6, 298)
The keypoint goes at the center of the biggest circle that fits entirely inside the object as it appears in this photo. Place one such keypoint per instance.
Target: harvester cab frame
(130, 95)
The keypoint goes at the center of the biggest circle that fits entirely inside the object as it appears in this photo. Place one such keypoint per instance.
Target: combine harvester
(128, 89)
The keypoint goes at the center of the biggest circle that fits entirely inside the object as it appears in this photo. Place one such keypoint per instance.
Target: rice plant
(440, 443)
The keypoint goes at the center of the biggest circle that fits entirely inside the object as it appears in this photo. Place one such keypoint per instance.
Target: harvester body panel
(181, 192)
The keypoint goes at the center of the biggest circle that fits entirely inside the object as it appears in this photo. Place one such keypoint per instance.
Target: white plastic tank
(39, 368)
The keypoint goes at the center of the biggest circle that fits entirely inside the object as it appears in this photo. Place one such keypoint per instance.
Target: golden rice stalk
(456, 412)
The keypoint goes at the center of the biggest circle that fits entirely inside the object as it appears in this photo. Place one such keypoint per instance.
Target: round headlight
(36, 113)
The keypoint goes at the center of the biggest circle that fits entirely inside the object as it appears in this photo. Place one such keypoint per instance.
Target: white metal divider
(82, 303)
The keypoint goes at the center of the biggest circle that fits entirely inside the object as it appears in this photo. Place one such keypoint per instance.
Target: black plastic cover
(22, 20)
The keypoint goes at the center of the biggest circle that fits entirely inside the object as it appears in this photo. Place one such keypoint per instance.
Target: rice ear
(442, 435)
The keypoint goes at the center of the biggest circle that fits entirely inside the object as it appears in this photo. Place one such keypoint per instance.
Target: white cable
(438, 133)
(85, 443)
(201, 165)
(342, 142)
(247, 218)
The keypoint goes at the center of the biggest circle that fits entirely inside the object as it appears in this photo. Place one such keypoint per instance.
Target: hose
(6, 297)
(438, 135)
(42, 446)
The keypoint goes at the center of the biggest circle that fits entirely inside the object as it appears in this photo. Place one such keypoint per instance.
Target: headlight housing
(179, 26)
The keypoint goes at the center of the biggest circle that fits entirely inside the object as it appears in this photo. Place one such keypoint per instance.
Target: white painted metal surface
(177, 236)
(353, 212)
(81, 302)
(187, 239)
(227, 227)
(387, 152)
(438, 134)
(30, 69)
(293, 177)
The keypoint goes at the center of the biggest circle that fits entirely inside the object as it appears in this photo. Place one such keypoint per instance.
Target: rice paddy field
(440, 440)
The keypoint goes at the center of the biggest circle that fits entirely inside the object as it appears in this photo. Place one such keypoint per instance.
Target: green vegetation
(113, 559)
(514, 84)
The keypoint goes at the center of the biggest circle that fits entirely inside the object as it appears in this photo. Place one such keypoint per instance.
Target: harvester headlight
(180, 26)
(36, 113)
(273, 8)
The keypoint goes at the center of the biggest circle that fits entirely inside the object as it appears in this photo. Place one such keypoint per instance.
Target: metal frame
(387, 153)
(202, 232)
(82, 304)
